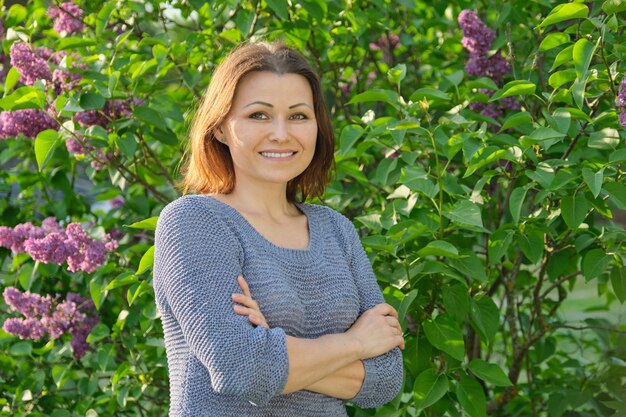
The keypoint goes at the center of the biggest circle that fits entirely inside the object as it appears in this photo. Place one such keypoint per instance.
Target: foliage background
(481, 225)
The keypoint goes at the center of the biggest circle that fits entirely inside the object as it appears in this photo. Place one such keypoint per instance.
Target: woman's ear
(219, 135)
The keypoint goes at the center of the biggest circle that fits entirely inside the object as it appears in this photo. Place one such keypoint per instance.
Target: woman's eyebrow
(263, 103)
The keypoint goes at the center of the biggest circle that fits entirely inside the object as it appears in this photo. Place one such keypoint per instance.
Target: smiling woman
(307, 328)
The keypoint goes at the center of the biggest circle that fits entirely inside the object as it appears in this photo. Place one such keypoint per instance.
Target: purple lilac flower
(477, 37)
(31, 66)
(28, 304)
(28, 122)
(51, 244)
(117, 202)
(75, 315)
(67, 18)
(621, 102)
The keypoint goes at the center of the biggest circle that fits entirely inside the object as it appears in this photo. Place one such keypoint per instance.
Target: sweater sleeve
(197, 261)
(383, 374)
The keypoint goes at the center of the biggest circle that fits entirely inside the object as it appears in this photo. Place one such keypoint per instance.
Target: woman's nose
(279, 131)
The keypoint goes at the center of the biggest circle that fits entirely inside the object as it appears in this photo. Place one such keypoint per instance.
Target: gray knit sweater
(221, 365)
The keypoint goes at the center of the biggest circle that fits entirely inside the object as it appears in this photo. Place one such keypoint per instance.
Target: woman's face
(271, 129)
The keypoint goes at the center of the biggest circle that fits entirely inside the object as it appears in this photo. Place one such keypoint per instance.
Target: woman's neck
(270, 201)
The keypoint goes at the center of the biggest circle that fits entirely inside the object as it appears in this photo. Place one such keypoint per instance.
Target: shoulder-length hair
(209, 167)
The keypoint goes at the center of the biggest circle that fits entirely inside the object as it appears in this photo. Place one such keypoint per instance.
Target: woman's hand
(246, 306)
(378, 331)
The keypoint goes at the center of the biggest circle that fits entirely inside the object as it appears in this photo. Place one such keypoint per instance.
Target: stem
(439, 183)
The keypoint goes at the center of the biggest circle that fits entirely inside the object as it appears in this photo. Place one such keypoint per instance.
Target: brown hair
(209, 168)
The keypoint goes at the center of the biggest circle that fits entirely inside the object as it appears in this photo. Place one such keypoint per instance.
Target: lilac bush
(46, 315)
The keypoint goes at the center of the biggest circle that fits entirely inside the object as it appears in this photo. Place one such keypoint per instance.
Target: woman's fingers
(244, 286)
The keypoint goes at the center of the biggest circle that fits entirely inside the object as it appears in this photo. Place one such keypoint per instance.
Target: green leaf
(469, 265)
(517, 119)
(348, 137)
(95, 289)
(446, 335)
(499, 243)
(22, 348)
(482, 82)
(531, 244)
(618, 281)
(574, 210)
(514, 88)
(91, 101)
(429, 388)
(563, 57)
(404, 306)
(516, 201)
(582, 54)
(146, 261)
(465, 212)
(13, 76)
(439, 248)
(104, 15)
(565, 12)
(562, 77)
(471, 396)
(99, 332)
(316, 8)
(553, 40)
(429, 93)
(45, 142)
(386, 96)
(280, 7)
(485, 317)
(146, 224)
(456, 300)
(593, 180)
(59, 374)
(396, 74)
(595, 263)
(127, 144)
(578, 91)
(148, 115)
(136, 291)
(617, 194)
(539, 135)
(614, 6)
(489, 372)
(123, 279)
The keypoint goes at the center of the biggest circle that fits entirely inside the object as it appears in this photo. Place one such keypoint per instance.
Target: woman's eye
(299, 116)
(258, 116)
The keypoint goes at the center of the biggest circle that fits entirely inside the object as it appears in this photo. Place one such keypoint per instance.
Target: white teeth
(276, 154)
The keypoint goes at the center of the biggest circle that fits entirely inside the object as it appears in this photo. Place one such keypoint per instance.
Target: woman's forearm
(312, 360)
(344, 384)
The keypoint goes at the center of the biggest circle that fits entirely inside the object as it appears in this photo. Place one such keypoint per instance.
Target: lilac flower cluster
(46, 315)
(50, 243)
(621, 102)
(31, 66)
(67, 18)
(28, 122)
(477, 39)
(494, 110)
(112, 110)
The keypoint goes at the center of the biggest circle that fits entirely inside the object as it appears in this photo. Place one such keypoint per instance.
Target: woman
(317, 332)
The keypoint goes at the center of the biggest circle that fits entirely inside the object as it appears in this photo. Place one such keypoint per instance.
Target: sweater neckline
(311, 251)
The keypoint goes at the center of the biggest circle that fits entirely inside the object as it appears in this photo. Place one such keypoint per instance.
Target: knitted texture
(219, 364)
